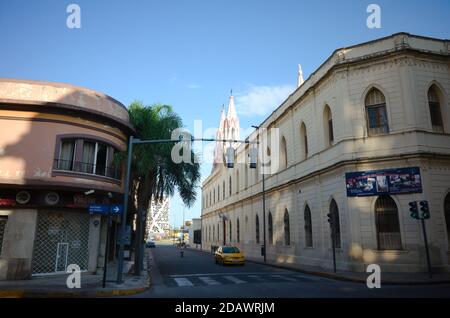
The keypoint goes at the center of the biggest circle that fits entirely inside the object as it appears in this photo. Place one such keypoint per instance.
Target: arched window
(237, 181)
(213, 233)
(388, 226)
(245, 176)
(376, 113)
(223, 187)
(230, 186)
(304, 141)
(218, 232)
(328, 126)
(447, 215)
(218, 193)
(257, 229)
(270, 226)
(214, 200)
(308, 227)
(238, 234)
(434, 104)
(287, 229)
(334, 211)
(283, 153)
(231, 233)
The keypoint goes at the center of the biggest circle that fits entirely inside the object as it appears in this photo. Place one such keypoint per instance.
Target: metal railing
(88, 168)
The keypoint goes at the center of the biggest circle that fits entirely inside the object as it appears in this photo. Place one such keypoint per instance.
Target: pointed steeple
(300, 76)
(232, 121)
(220, 134)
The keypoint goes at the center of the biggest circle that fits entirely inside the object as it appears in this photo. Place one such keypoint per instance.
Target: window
(376, 113)
(435, 109)
(237, 181)
(308, 227)
(328, 126)
(287, 229)
(218, 232)
(223, 189)
(447, 216)
(283, 154)
(238, 231)
(214, 201)
(213, 233)
(388, 227)
(270, 226)
(3, 220)
(231, 233)
(218, 192)
(334, 211)
(304, 141)
(230, 187)
(86, 156)
(257, 229)
(66, 155)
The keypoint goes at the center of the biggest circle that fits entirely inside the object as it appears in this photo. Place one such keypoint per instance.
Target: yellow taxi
(229, 255)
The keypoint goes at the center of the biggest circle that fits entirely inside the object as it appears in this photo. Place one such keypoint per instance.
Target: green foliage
(154, 172)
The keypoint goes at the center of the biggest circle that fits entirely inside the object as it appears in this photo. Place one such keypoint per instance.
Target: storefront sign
(389, 181)
(99, 209)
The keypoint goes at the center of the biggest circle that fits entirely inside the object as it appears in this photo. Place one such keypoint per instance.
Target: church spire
(300, 76)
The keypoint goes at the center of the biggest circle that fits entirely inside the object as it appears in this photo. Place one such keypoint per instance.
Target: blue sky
(189, 54)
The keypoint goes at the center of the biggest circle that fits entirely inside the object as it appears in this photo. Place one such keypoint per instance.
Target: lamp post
(264, 198)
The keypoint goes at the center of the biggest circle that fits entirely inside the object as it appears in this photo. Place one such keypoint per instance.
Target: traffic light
(330, 218)
(253, 154)
(425, 210)
(230, 157)
(413, 209)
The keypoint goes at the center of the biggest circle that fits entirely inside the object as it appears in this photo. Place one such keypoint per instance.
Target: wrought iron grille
(2, 231)
(61, 239)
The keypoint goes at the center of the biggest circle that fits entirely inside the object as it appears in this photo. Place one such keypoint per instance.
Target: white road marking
(290, 279)
(310, 277)
(234, 279)
(258, 278)
(233, 273)
(209, 281)
(181, 281)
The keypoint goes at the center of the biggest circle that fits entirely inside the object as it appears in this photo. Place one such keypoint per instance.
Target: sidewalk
(358, 277)
(91, 284)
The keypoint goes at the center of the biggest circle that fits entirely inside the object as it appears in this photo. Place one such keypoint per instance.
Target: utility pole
(135, 141)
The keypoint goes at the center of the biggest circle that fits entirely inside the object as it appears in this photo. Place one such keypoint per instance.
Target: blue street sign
(116, 209)
(99, 209)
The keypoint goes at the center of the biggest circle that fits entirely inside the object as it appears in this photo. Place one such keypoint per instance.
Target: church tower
(228, 129)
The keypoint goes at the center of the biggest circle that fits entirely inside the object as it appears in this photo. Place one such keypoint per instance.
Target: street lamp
(264, 199)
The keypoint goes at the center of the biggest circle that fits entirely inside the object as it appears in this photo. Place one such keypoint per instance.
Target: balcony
(89, 169)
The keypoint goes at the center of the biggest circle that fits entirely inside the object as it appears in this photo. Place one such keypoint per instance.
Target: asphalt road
(197, 276)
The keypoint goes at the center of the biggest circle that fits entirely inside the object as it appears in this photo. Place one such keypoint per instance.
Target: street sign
(116, 209)
(99, 209)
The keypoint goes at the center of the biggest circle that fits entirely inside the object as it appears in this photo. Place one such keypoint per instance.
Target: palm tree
(154, 174)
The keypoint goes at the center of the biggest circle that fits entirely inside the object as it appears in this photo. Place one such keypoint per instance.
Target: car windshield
(230, 249)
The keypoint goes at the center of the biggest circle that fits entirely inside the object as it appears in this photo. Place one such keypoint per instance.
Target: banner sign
(378, 182)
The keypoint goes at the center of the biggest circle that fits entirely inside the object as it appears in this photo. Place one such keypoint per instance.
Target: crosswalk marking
(181, 281)
(290, 279)
(256, 277)
(310, 277)
(209, 281)
(234, 279)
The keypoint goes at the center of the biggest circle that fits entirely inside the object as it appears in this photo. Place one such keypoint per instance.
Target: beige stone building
(367, 133)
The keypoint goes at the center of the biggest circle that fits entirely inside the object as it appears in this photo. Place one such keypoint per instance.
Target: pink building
(57, 149)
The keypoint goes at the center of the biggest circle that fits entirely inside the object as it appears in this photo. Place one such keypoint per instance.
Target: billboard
(388, 181)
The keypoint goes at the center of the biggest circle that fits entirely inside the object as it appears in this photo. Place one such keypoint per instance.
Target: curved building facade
(366, 134)
(57, 149)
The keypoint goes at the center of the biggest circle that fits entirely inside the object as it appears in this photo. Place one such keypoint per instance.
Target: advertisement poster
(389, 181)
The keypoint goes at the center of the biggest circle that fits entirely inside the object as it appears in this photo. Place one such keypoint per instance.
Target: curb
(61, 294)
(340, 277)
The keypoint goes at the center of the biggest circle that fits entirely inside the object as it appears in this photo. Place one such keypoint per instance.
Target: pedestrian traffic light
(424, 209)
(413, 209)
